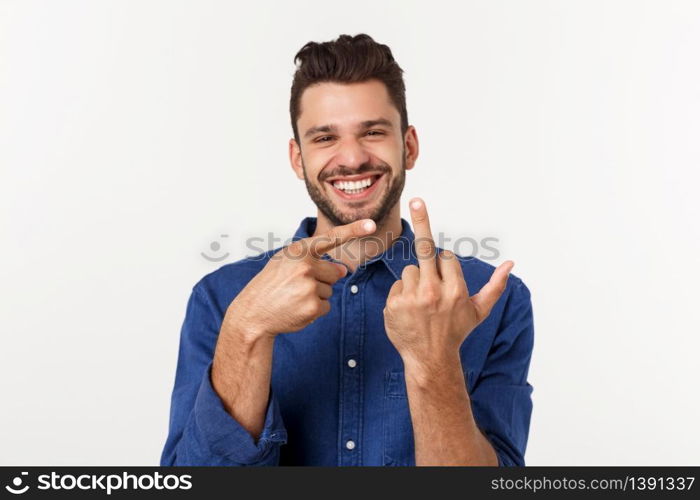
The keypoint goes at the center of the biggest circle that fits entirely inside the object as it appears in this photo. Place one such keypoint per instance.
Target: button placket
(351, 376)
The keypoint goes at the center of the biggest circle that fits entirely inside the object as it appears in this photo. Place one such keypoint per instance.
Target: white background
(135, 133)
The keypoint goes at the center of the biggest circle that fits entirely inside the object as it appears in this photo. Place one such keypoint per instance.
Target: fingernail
(369, 226)
(416, 204)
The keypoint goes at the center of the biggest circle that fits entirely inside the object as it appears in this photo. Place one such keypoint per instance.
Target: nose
(351, 153)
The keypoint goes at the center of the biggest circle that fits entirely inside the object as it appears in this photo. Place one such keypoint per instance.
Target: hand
(293, 288)
(429, 312)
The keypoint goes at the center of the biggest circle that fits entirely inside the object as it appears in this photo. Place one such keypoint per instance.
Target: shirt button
(350, 444)
(354, 289)
(352, 363)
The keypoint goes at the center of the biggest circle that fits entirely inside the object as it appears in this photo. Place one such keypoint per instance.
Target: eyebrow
(332, 128)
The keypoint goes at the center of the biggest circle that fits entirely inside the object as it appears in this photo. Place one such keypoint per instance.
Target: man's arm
(428, 315)
(501, 396)
(202, 431)
(289, 293)
(444, 429)
(223, 410)
(445, 415)
(241, 372)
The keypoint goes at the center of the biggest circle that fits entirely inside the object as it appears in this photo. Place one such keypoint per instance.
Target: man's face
(352, 154)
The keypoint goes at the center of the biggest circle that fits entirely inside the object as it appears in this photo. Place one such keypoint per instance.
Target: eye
(321, 139)
(375, 132)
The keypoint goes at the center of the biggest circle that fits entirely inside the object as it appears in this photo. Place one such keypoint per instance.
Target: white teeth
(353, 187)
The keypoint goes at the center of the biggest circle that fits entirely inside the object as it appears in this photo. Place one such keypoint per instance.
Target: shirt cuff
(226, 436)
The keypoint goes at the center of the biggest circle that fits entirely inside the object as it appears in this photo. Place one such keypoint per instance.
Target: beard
(378, 214)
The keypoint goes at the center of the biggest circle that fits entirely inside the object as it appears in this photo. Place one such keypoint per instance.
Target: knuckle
(310, 287)
(305, 288)
(447, 254)
(312, 308)
(333, 236)
(313, 246)
(301, 273)
(305, 268)
(392, 303)
(300, 247)
(425, 248)
(410, 270)
(428, 299)
(432, 289)
(429, 295)
(331, 274)
(290, 251)
(456, 292)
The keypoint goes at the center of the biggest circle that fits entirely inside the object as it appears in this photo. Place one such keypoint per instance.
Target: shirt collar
(400, 254)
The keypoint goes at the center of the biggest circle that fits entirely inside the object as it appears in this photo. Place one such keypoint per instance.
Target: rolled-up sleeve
(201, 432)
(501, 398)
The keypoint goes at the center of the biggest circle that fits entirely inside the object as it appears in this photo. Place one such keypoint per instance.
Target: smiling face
(351, 153)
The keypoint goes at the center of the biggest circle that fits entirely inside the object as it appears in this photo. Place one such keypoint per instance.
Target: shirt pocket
(397, 428)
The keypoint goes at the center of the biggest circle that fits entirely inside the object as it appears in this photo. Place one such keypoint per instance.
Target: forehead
(344, 104)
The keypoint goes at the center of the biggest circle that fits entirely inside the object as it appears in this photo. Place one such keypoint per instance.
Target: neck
(360, 250)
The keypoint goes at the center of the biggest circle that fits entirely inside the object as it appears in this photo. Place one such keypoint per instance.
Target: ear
(295, 158)
(411, 147)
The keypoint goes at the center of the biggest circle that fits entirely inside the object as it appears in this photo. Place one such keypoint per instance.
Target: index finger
(425, 246)
(322, 243)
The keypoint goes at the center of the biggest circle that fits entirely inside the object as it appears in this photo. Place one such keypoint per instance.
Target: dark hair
(348, 59)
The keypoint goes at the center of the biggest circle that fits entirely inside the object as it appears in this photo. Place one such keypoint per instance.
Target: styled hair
(348, 59)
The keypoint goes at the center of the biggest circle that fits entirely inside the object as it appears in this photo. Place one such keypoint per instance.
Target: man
(358, 343)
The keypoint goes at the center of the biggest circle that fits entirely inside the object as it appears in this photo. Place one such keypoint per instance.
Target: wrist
(423, 372)
(244, 331)
(250, 335)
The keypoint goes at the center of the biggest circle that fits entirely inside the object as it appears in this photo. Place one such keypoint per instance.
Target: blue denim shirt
(338, 395)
